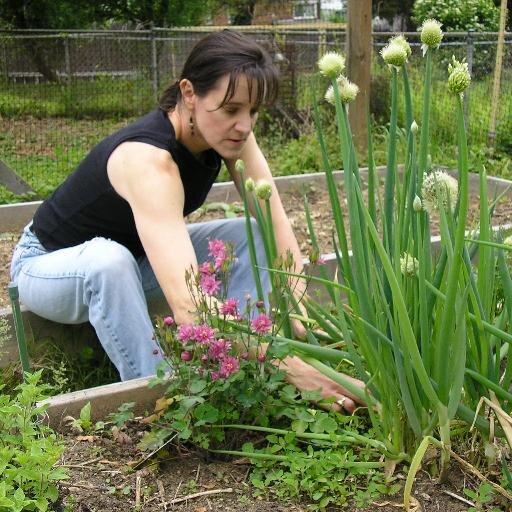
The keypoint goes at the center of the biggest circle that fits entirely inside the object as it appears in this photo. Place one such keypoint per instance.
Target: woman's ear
(187, 93)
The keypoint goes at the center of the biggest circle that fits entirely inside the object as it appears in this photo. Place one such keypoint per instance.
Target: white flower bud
(263, 189)
(394, 54)
(459, 78)
(414, 127)
(409, 265)
(348, 91)
(439, 189)
(400, 39)
(416, 204)
(331, 64)
(431, 34)
(249, 185)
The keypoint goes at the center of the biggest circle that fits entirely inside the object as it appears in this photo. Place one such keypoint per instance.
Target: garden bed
(104, 476)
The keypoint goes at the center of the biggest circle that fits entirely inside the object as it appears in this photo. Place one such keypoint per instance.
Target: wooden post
(359, 55)
(491, 135)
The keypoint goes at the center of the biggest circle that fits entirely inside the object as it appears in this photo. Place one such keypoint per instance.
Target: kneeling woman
(114, 232)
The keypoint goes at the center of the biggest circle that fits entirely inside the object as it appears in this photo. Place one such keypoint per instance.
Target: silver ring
(341, 401)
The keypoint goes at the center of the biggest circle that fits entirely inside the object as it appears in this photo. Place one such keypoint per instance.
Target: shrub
(478, 15)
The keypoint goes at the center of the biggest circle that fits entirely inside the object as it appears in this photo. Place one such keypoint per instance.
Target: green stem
(448, 314)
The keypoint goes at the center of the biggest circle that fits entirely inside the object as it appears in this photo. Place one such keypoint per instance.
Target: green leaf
(197, 386)
(206, 413)
(324, 424)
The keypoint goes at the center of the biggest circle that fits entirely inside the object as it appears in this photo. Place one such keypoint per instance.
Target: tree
(390, 8)
(29, 14)
(159, 13)
(76, 14)
(241, 11)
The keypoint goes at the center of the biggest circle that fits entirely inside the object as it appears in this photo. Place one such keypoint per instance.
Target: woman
(114, 232)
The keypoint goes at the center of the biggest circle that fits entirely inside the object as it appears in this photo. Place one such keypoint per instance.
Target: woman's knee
(109, 259)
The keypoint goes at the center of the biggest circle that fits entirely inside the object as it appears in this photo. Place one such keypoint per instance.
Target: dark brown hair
(226, 53)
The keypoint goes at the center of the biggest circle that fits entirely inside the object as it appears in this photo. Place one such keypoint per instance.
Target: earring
(191, 126)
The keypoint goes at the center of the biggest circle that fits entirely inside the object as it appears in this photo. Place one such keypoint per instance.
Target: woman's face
(225, 129)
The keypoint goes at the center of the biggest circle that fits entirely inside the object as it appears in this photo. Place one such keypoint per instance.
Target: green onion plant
(426, 329)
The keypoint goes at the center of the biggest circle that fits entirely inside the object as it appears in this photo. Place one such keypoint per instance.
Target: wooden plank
(11, 181)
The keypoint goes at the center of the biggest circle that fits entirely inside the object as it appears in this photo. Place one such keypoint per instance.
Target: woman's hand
(306, 378)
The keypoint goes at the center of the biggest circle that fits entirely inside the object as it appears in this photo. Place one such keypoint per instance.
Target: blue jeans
(100, 281)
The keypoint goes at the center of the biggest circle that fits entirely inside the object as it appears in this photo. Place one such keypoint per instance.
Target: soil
(321, 214)
(107, 475)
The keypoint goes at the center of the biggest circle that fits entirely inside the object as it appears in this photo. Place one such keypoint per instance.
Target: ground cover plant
(28, 451)
(426, 332)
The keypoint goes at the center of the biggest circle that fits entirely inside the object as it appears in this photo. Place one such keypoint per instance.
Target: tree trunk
(38, 56)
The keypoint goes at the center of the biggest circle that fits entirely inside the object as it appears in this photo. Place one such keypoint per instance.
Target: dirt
(321, 214)
(107, 476)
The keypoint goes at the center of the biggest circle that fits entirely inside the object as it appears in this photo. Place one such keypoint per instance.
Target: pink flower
(168, 321)
(203, 333)
(186, 356)
(321, 260)
(260, 304)
(216, 248)
(229, 307)
(218, 349)
(210, 284)
(261, 324)
(215, 375)
(244, 355)
(229, 366)
(262, 357)
(204, 358)
(186, 332)
(205, 268)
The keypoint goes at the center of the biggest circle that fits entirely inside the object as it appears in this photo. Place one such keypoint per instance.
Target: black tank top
(87, 206)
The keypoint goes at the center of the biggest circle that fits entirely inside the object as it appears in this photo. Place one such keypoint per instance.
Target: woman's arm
(149, 180)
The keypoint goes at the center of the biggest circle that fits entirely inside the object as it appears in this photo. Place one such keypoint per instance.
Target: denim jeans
(100, 281)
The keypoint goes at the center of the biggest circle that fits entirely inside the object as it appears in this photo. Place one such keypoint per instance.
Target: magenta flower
(168, 321)
(215, 375)
(205, 268)
(229, 366)
(262, 357)
(260, 304)
(218, 349)
(203, 334)
(244, 355)
(186, 332)
(210, 284)
(261, 324)
(229, 307)
(186, 356)
(320, 260)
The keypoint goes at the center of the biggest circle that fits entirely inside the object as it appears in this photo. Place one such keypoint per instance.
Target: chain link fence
(62, 92)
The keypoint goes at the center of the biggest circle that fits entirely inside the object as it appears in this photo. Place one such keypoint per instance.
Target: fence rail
(63, 90)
